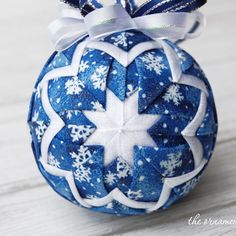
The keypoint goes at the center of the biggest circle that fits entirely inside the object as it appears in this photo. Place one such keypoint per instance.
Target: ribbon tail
(199, 23)
(196, 29)
(66, 31)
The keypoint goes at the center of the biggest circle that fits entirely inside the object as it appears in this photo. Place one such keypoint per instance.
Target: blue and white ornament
(122, 124)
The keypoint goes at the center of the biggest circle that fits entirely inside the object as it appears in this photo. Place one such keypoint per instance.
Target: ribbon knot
(71, 26)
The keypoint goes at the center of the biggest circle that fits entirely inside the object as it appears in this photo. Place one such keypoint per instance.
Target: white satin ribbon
(71, 26)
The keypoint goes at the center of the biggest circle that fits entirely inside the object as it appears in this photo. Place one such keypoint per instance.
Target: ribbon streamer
(72, 26)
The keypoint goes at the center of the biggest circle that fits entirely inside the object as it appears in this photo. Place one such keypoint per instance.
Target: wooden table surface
(28, 206)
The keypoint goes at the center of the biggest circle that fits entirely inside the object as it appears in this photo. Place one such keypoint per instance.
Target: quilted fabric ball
(123, 125)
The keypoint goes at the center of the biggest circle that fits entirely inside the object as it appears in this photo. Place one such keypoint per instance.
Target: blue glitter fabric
(149, 75)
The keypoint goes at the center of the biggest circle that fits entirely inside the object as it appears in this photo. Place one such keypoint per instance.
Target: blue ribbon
(160, 6)
(134, 8)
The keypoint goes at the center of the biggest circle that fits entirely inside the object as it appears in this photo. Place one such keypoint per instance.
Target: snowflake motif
(82, 174)
(80, 132)
(122, 39)
(123, 169)
(40, 130)
(173, 94)
(35, 117)
(53, 161)
(135, 195)
(153, 63)
(81, 157)
(99, 77)
(74, 86)
(174, 161)
(181, 55)
(69, 115)
(97, 106)
(41, 127)
(83, 66)
(110, 178)
(190, 185)
(130, 90)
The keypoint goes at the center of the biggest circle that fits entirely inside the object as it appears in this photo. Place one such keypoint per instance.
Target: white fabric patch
(120, 128)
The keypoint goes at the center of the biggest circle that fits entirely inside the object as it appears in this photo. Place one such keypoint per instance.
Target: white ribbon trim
(71, 26)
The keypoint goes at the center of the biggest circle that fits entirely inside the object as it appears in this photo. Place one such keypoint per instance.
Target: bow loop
(105, 21)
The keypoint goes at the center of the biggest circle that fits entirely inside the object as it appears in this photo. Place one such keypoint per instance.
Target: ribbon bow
(71, 26)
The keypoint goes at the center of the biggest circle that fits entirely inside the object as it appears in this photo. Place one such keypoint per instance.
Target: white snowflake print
(181, 55)
(81, 156)
(40, 130)
(97, 106)
(83, 66)
(174, 161)
(53, 161)
(121, 39)
(99, 77)
(80, 132)
(35, 117)
(74, 86)
(173, 94)
(83, 174)
(123, 169)
(110, 178)
(69, 114)
(135, 195)
(190, 185)
(153, 63)
(41, 127)
(130, 90)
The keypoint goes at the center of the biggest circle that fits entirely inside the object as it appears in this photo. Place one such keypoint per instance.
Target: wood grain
(29, 207)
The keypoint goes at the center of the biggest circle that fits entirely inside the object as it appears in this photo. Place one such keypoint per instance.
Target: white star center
(120, 127)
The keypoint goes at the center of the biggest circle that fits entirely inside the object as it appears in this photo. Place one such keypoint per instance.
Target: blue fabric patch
(170, 162)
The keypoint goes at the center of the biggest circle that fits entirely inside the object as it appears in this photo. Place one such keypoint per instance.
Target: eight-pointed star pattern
(120, 127)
